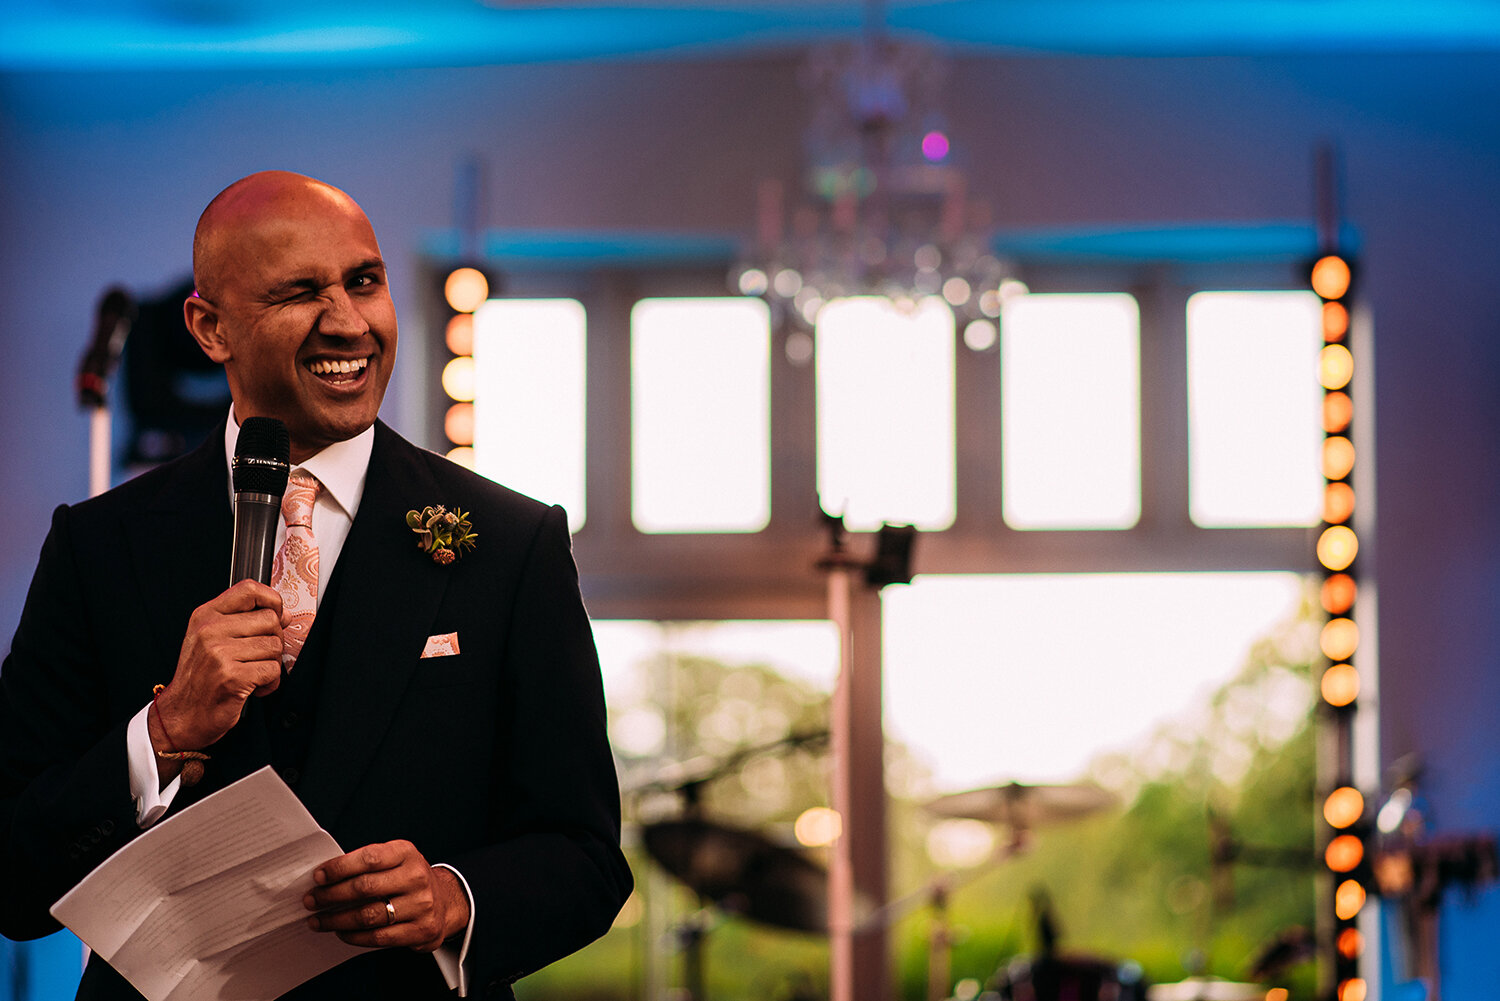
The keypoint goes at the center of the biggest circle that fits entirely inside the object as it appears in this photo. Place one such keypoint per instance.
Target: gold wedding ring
(390, 912)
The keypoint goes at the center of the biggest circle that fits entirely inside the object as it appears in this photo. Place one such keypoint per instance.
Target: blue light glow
(50, 34)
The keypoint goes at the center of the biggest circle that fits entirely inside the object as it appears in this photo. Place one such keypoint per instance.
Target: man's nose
(341, 317)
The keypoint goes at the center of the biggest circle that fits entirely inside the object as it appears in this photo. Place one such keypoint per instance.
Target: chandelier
(886, 212)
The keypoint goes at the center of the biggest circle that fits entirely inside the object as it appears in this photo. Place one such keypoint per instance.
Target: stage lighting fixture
(1338, 412)
(892, 563)
(458, 379)
(460, 289)
(458, 424)
(1338, 593)
(1339, 638)
(1344, 853)
(1338, 457)
(1335, 322)
(1348, 899)
(1335, 366)
(1340, 685)
(466, 289)
(1331, 277)
(1338, 503)
(459, 335)
(1337, 547)
(1344, 807)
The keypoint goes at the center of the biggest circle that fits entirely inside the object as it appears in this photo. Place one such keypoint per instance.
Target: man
(442, 720)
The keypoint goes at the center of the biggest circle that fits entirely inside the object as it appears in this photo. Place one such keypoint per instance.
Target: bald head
(292, 299)
(248, 204)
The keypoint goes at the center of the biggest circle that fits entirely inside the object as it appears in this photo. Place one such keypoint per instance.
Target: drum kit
(746, 874)
(743, 873)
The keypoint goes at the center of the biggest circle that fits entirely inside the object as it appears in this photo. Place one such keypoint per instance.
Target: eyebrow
(368, 264)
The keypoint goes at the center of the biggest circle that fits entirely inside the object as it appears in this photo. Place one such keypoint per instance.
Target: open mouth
(338, 371)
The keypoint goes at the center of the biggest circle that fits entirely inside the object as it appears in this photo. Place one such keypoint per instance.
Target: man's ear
(202, 321)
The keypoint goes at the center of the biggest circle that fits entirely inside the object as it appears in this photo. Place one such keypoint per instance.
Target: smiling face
(292, 299)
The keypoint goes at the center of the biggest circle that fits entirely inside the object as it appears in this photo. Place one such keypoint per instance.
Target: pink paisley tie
(294, 572)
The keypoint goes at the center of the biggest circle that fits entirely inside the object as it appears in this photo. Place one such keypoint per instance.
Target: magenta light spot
(935, 146)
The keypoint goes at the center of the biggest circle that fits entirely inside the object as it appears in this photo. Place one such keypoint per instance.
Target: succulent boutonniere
(444, 535)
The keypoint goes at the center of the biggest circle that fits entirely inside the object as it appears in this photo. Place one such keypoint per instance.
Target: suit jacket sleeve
(555, 878)
(65, 800)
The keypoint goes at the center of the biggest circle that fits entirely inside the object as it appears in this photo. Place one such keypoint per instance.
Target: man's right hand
(232, 651)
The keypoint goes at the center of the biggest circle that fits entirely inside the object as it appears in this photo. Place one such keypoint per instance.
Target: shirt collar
(341, 467)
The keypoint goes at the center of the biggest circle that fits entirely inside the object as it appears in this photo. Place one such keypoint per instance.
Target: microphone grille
(261, 457)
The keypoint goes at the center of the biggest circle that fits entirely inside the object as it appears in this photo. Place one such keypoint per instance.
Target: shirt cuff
(452, 960)
(151, 800)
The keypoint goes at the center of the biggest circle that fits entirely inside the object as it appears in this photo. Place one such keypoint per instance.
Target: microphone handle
(255, 517)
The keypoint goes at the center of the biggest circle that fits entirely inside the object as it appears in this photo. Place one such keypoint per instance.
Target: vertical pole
(99, 449)
(939, 947)
(857, 871)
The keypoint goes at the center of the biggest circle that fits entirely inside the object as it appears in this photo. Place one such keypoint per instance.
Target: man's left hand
(385, 896)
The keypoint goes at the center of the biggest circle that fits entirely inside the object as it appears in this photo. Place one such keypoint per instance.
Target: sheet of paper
(208, 903)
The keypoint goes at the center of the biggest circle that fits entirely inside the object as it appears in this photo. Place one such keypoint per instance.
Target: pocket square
(444, 645)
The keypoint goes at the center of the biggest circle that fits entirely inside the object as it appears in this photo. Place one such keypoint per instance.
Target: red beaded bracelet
(192, 761)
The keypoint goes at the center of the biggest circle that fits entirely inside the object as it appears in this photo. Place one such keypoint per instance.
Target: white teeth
(339, 367)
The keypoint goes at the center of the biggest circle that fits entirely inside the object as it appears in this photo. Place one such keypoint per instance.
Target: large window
(700, 427)
(1065, 440)
(885, 412)
(1070, 390)
(529, 400)
(1254, 408)
(1065, 670)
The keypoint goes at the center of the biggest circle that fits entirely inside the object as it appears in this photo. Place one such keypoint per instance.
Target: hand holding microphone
(232, 648)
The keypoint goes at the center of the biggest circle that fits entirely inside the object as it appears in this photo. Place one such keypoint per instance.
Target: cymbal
(1025, 806)
(1205, 989)
(743, 872)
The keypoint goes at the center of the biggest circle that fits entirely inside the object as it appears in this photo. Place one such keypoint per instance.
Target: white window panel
(1070, 398)
(700, 415)
(529, 358)
(885, 412)
(1073, 667)
(1253, 408)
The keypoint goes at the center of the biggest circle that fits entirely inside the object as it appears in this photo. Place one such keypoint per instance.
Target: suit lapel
(385, 596)
(180, 545)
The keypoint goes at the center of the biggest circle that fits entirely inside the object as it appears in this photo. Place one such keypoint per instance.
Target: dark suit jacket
(494, 761)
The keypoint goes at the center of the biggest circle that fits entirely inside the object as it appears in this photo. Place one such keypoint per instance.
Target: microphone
(260, 470)
(112, 325)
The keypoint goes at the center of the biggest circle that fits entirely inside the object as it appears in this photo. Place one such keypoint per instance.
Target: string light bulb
(1343, 807)
(1339, 638)
(1340, 685)
(1348, 899)
(1337, 547)
(1331, 277)
(1353, 989)
(1338, 593)
(466, 289)
(1344, 853)
(459, 334)
(1335, 366)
